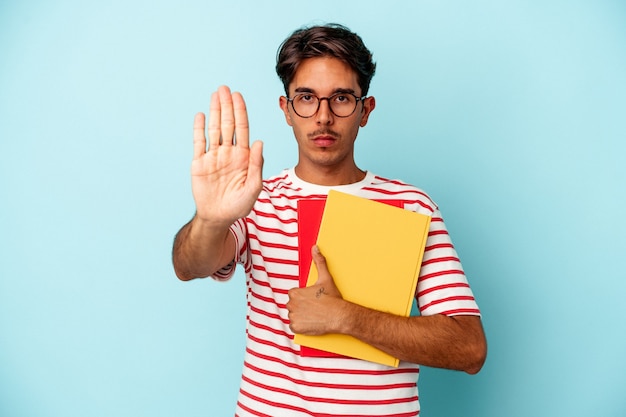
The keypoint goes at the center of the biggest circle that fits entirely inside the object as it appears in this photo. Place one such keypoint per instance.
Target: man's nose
(324, 114)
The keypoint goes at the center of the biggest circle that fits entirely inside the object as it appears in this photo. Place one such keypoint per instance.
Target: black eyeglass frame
(319, 103)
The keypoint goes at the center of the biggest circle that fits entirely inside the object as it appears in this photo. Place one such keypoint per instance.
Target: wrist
(210, 224)
(348, 317)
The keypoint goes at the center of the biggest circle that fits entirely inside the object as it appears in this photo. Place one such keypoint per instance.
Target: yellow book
(374, 252)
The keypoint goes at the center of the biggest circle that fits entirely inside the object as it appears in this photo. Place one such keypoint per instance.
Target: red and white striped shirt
(276, 380)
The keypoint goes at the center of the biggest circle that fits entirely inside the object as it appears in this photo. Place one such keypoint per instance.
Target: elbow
(183, 277)
(476, 356)
(183, 269)
(476, 366)
(183, 274)
(186, 274)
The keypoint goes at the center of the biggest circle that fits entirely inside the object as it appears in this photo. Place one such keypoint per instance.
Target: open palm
(226, 177)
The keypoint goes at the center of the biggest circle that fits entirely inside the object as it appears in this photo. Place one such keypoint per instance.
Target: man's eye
(306, 98)
(342, 99)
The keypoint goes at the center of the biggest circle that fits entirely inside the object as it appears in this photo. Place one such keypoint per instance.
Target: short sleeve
(238, 230)
(442, 287)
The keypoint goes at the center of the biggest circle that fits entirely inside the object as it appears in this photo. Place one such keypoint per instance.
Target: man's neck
(329, 176)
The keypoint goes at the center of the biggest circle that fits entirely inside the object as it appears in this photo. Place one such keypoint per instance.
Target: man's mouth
(324, 139)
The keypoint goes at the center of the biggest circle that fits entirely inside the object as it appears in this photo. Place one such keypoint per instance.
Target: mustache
(323, 132)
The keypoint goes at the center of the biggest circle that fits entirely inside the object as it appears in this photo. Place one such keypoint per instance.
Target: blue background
(510, 114)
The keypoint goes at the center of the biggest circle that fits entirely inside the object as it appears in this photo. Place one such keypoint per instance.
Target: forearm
(439, 341)
(201, 248)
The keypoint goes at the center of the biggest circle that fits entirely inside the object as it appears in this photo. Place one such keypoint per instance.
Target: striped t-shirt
(276, 380)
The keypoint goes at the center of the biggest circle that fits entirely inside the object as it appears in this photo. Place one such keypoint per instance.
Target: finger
(214, 121)
(199, 140)
(320, 263)
(242, 130)
(228, 116)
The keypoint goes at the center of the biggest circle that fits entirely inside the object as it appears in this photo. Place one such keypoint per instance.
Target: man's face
(325, 141)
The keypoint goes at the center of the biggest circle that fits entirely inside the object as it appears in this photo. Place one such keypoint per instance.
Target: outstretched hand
(316, 309)
(226, 178)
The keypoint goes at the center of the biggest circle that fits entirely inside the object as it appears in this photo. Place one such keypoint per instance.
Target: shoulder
(279, 195)
(414, 198)
(280, 185)
(279, 180)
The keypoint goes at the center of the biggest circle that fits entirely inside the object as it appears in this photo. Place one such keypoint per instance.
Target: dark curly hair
(332, 40)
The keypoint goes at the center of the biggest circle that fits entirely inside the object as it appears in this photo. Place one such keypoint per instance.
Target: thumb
(254, 175)
(255, 163)
(323, 276)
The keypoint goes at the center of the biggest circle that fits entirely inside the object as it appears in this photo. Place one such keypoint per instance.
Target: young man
(240, 218)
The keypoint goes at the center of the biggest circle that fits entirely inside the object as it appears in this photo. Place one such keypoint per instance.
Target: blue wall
(510, 114)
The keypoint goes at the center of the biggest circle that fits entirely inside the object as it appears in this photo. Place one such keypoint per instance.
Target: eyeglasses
(341, 104)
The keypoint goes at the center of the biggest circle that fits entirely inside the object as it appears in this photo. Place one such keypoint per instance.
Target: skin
(325, 141)
(226, 180)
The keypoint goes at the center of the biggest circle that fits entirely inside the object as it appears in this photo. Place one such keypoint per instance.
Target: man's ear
(369, 103)
(284, 105)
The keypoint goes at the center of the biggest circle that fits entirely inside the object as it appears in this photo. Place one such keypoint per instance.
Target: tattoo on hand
(319, 292)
